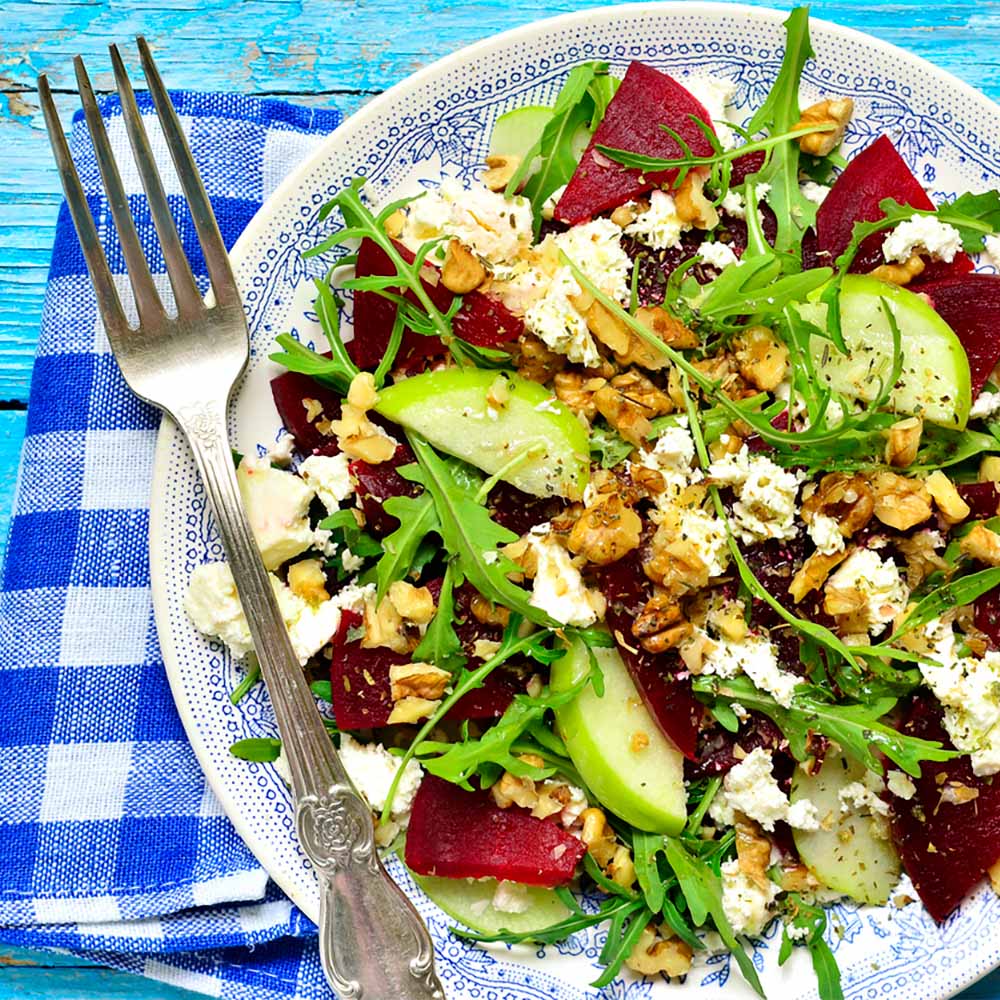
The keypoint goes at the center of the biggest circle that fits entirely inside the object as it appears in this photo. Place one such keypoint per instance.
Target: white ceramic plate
(438, 122)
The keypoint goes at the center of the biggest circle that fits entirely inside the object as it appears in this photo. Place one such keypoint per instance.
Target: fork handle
(373, 943)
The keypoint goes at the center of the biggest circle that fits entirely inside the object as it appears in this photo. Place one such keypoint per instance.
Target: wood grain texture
(312, 51)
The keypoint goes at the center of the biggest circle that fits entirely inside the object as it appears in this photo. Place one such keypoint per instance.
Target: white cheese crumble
(863, 797)
(766, 493)
(493, 227)
(754, 656)
(991, 247)
(732, 204)
(277, 505)
(660, 226)
(825, 534)
(985, 405)
(716, 96)
(878, 582)
(556, 322)
(901, 785)
(511, 897)
(937, 238)
(750, 788)
(372, 769)
(330, 478)
(816, 193)
(280, 453)
(745, 903)
(718, 255)
(558, 588)
(969, 690)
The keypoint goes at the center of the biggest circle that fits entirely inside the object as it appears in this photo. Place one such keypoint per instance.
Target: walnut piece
(903, 442)
(813, 573)
(598, 835)
(849, 500)
(537, 363)
(835, 111)
(753, 850)
(921, 557)
(690, 202)
(609, 329)
(394, 224)
(501, 168)
(409, 710)
(606, 532)
(900, 503)
(488, 614)
(462, 271)
(357, 436)
(307, 580)
(981, 544)
(577, 390)
(900, 274)
(762, 360)
(668, 328)
(946, 498)
(384, 627)
(416, 604)
(653, 955)
(674, 563)
(417, 680)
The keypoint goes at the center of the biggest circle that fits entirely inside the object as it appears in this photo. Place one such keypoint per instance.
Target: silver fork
(373, 944)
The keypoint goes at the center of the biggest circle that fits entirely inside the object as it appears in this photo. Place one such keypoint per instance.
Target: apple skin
(449, 408)
(640, 780)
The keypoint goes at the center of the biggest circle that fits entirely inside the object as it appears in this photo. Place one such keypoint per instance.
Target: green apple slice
(851, 852)
(644, 786)
(517, 131)
(935, 382)
(525, 432)
(470, 901)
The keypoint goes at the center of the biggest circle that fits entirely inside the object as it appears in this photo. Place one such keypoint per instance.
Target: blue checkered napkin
(110, 840)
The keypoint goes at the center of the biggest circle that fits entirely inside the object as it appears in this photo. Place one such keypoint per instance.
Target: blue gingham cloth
(111, 843)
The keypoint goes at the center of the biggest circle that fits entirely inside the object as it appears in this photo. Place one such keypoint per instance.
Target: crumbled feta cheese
(280, 453)
(765, 506)
(372, 769)
(825, 534)
(745, 903)
(707, 533)
(323, 540)
(798, 933)
(900, 784)
(595, 248)
(575, 805)
(556, 322)
(937, 238)
(755, 657)
(716, 96)
(991, 247)
(750, 788)
(493, 227)
(214, 607)
(511, 897)
(330, 477)
(969, 690)
(732, 204)
(814, 192)
(660, 226)
(718, 255)
(350, 561)
(863, 797)
(558, 588)
(277, 505)
(985, 406)
(878, 582)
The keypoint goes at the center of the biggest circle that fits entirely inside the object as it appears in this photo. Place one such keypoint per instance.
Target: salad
(643, 543)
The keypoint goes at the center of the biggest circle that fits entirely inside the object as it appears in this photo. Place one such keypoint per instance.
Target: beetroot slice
(458, 834)
(668, 698)
(645, 100)
(970, 305)
(483, 319)
(945, 848)
(377, 483)
(876, 173)
(986, 615)
(983, 499)
(289, 390)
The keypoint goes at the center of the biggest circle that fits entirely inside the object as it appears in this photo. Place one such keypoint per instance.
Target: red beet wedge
(459, 834)
(645, 100)
(970, 305)
(483, 319)
(876, 173)
(983, 499)
(945, 847)
(377, 483)
(289, 390)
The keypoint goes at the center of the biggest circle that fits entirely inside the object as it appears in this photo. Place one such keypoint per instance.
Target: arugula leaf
(857, 728)
(608, 447)
(958, 592)
(348, 535)
(322, 690)
(982, 208)
(813, 919)
(469, 533)
(645, 848)
(264, 750)
(440, 644)
(296, 357)
(417, 518)
(250, 678)
(702, 890)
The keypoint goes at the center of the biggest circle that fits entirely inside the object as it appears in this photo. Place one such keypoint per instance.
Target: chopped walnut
(606, 532)
(626, 416)
(357, 436)
(607, 328)
(488, 614)
(994, 873)
(653, 955)
(722, 368)
(921, 557)
(643, 393)
(394, 224)
(668, 328)
(500, 170)
(523, 554)
(813, 573)
(798, 878)
(648, 481)
(307, 580)
(543, 798)
(660, 612)
(903, 442)
(761, 358)
(675, 563)
(384, 627)
(730, 621)
(621, 867)
(753, 850)
(642, 355)
(577, 392)
(981, 544)
(537, 363)
(409, 710)
(900, 274)
(623, 215)
(946, 498)
(598, 835)
(849, 500)
(691, 204)
(416, 604)
(462, 271)
(417, 680)
(834, 111)
(900, 503)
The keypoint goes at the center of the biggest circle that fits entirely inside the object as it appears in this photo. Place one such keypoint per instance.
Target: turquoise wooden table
(315, 52)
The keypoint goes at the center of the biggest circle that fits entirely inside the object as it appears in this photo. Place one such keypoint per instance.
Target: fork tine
(186, 294)
(108, 302)
(146, 297)
(216, 257)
